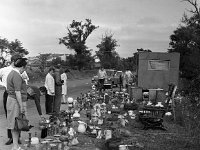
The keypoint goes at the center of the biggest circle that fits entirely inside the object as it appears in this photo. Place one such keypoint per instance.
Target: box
(152, 95)
(161, 96)
(136, 93)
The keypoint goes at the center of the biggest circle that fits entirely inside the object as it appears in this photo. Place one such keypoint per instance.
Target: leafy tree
(56, 61)
(186, 41)
(78, 32)
(106, 53)
(43, 61)
(143, 50)
(16, 47)
(9, 48)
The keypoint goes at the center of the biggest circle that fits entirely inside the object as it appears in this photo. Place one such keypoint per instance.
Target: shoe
(19, 141)
(10, 141)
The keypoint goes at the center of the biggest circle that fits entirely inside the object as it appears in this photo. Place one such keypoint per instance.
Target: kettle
(76, 114)
(82, 126)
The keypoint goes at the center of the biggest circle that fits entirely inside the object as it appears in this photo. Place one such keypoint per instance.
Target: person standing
(17, 97)
(64, 86)
(50, 87)
(128, 77)
(101, 77)
(3, 75)
(58, 88)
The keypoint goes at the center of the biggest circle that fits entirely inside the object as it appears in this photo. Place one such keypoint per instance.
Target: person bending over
(34, 93)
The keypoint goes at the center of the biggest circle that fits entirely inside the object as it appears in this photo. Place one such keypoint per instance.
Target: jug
(82, 127)
(76, 114)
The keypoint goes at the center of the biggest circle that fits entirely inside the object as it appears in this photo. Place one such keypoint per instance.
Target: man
(128, 77)
(101, 77)
(50, 87)
(3, 75)
(58, 88)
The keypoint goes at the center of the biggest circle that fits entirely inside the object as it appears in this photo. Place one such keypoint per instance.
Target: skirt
(12, 112)
(64, 89)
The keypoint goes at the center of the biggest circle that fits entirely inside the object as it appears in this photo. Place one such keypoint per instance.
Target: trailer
(155, 71)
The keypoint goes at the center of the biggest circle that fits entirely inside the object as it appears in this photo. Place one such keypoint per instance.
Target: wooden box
(136, 93)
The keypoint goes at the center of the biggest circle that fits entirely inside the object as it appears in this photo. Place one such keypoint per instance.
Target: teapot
(82, 126)
(76, 114)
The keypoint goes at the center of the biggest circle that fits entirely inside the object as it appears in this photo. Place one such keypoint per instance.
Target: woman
(17, 97)
(64, 86)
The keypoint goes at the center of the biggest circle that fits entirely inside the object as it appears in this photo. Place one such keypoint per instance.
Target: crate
(136, 93)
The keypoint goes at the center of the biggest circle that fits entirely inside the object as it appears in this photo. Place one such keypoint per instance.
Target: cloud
(149, 21)
(135, 23)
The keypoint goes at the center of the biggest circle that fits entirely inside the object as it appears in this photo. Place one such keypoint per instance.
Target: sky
(38, 24)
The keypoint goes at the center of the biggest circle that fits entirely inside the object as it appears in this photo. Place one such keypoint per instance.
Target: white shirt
(102, 74)
(4, 72)
(25, 77)
(50, 84)
(128, 74)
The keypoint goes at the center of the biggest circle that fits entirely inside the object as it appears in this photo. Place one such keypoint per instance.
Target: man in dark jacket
(58, 88)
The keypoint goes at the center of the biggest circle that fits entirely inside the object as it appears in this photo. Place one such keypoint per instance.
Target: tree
(186, 40)
(143, 50)
(106, 53)
(9, 48)
(43, 61)
(16, 47)
(77, 35)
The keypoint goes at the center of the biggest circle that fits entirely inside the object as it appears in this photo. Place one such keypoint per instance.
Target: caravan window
(158, 65)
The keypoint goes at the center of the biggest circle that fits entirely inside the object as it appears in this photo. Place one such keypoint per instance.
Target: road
(75, 87)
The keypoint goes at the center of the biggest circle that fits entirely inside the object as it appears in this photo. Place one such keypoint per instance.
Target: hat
(20, 62)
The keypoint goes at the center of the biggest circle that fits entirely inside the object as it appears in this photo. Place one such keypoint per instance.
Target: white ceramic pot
(70, 100)
(34, 140)
(82, 127)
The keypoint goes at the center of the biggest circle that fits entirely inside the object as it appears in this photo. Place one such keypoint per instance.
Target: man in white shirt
(3, 75)
(128, 77)
(101, 76)
(50, 87)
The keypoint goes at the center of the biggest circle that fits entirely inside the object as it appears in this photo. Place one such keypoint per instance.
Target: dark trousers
(58, 96)
(101, 84)
(49, 103)
(5, 96)
(37, 103)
